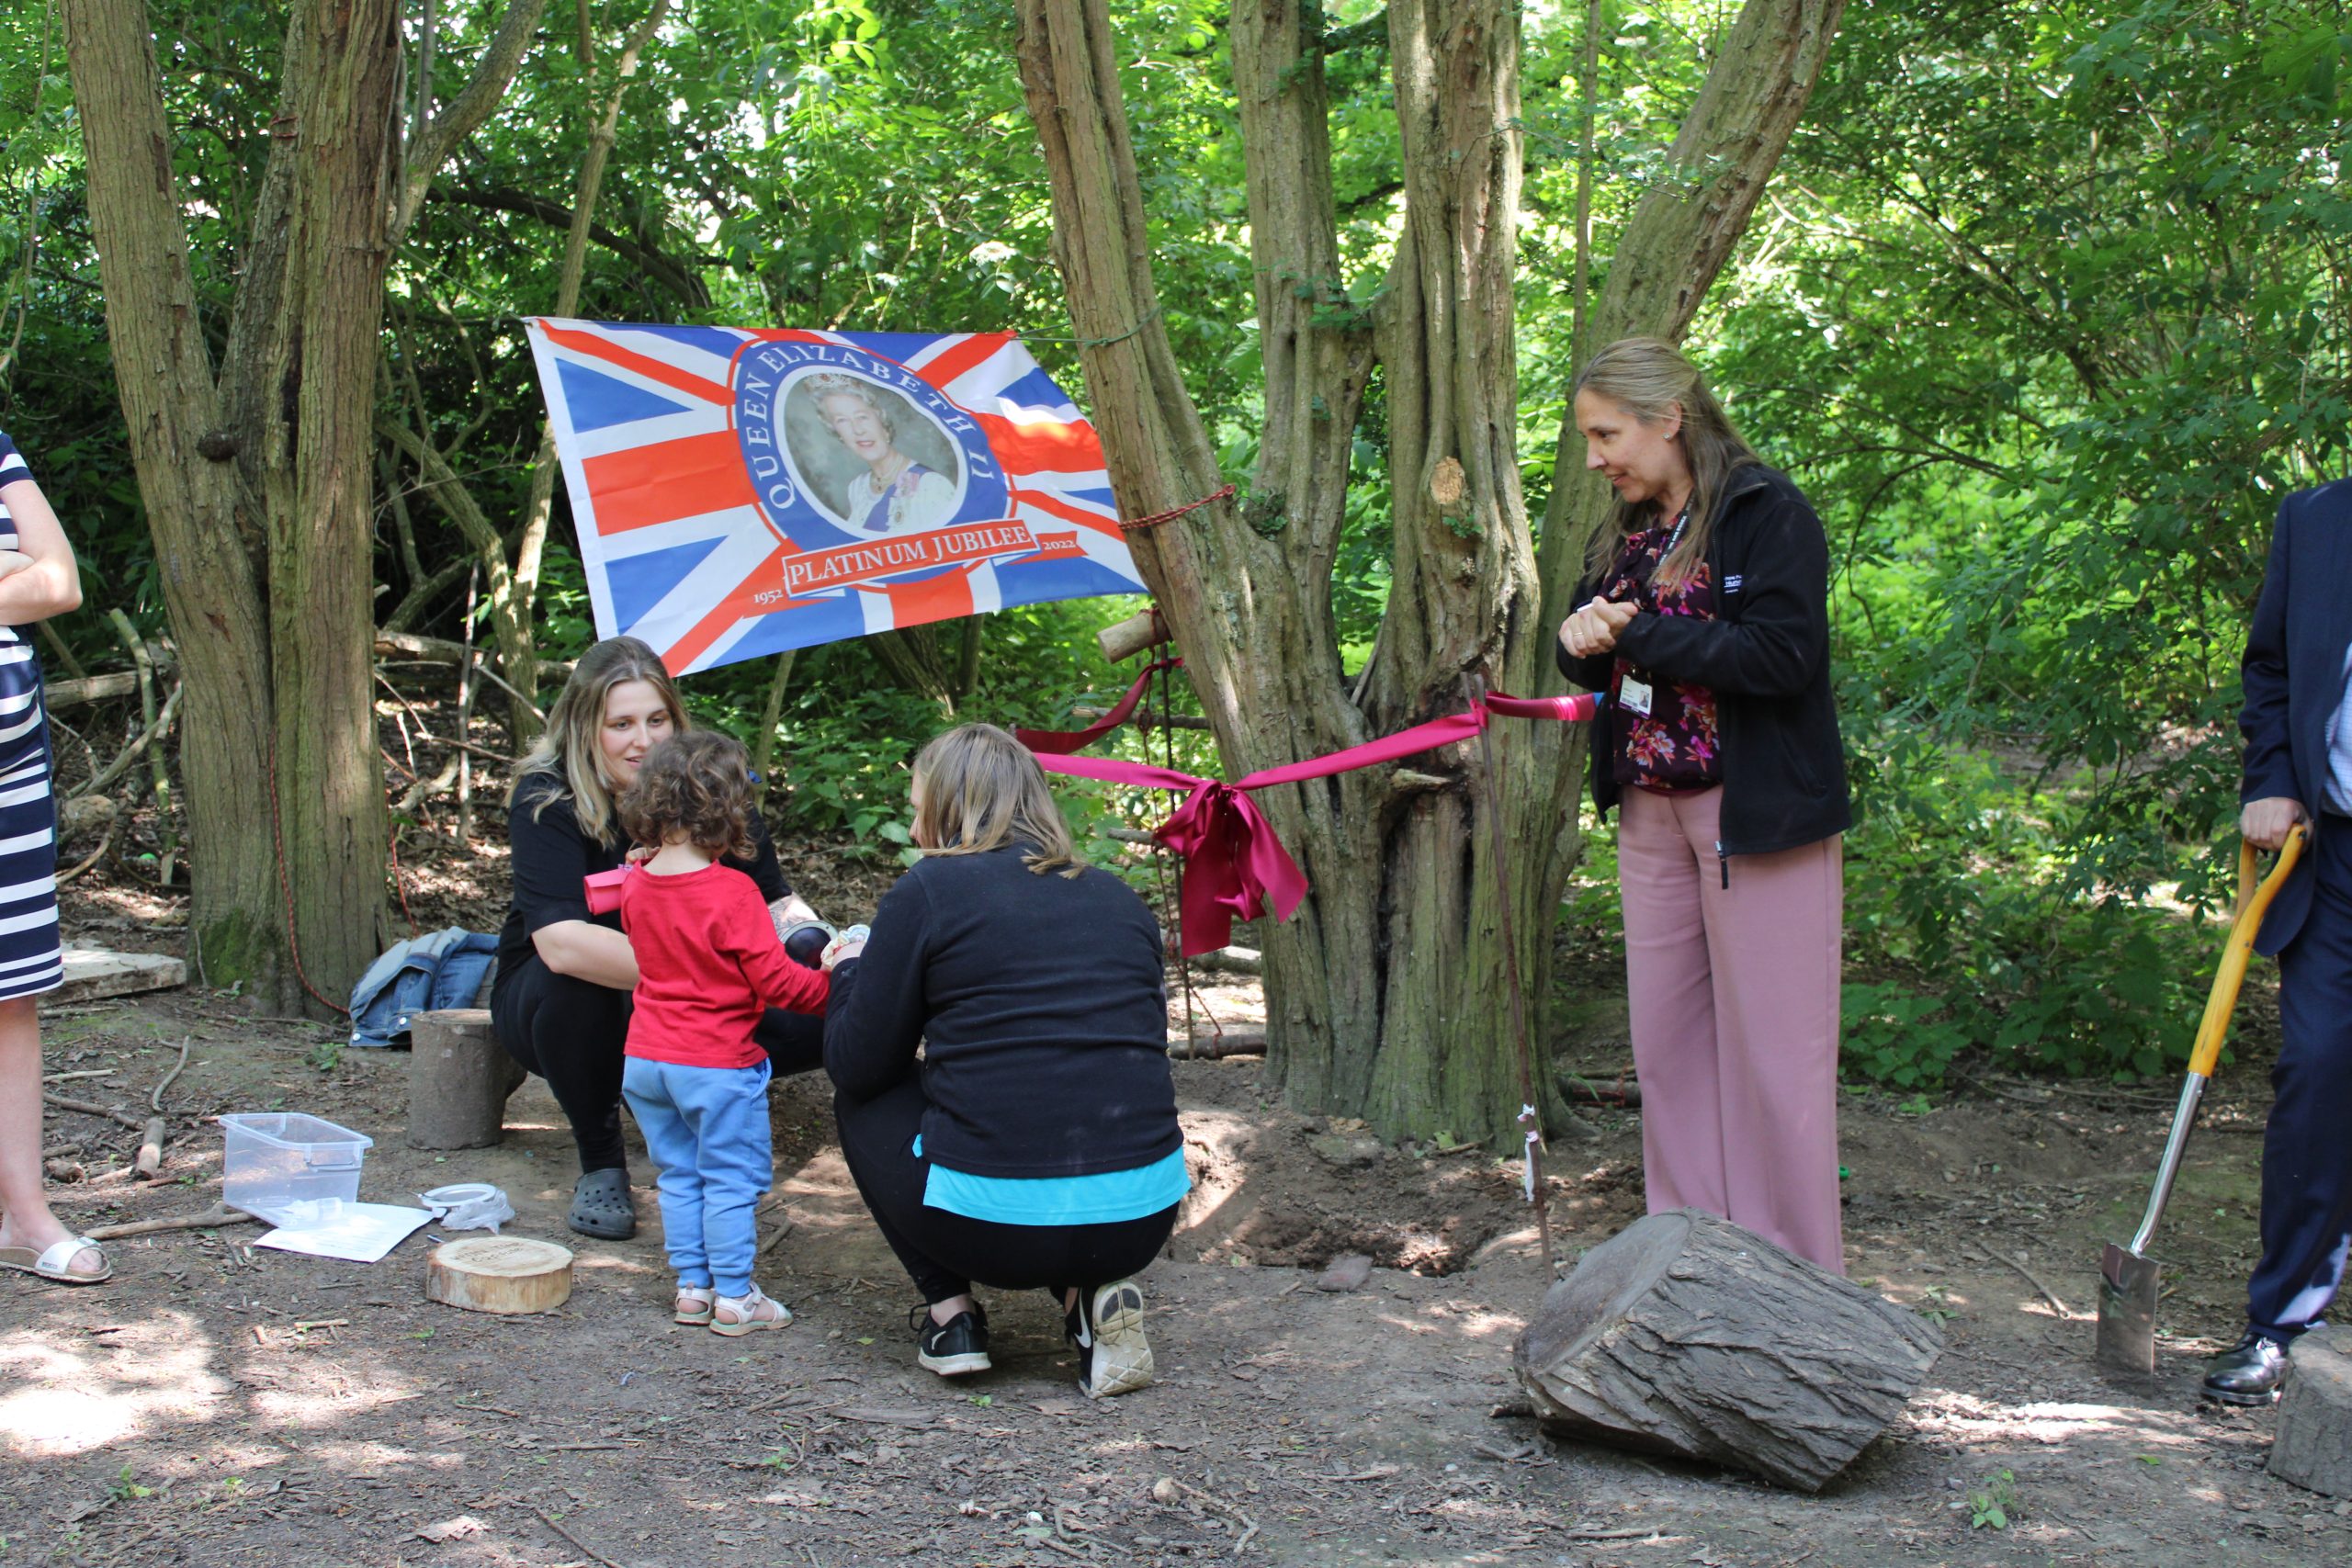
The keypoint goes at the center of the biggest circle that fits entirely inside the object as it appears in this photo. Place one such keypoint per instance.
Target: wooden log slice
(499, 1274)
(2313, 1447)
(1686, 1335)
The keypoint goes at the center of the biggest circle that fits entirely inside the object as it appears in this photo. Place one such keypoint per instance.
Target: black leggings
(945, 1254)
(571, 1032)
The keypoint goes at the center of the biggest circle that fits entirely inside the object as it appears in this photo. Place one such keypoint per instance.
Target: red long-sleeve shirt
(708, 964)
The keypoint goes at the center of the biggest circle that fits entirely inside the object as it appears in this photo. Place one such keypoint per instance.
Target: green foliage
(1993, 1505)
(2046, 315)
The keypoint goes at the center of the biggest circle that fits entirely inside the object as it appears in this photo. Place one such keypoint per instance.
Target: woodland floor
(179, 1415)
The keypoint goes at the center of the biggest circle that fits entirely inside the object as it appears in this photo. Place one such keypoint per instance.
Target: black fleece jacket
(1766, 656)
(1040, 1005)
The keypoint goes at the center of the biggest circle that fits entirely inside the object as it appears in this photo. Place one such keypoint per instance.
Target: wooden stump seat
(459, 1080)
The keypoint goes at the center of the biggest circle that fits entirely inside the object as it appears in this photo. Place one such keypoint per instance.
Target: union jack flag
(739, 492)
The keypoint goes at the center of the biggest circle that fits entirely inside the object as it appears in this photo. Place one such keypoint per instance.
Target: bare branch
(438, 135)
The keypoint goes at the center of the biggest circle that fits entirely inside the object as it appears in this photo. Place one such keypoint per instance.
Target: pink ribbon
(1235, 866)
(1062, 741)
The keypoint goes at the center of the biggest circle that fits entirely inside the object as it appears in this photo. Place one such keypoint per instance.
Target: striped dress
(31, 960)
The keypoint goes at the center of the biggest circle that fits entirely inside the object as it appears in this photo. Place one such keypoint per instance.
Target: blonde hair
(571, 752)
(980, 789)
(1649, 378)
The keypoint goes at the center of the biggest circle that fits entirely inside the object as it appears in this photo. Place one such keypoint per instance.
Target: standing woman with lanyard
(38, 579)
(1707, 623)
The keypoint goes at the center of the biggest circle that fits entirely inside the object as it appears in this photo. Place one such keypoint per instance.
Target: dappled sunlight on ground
(148, 1378)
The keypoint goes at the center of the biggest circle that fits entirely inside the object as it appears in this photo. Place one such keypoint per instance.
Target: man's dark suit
(2294, 674)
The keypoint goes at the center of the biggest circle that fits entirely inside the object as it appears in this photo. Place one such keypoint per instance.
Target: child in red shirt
(708, 964)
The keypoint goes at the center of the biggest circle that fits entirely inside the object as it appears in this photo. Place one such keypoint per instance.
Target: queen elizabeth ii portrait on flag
(869, 455)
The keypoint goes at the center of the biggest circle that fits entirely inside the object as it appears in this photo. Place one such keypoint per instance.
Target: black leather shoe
(2251, 1373)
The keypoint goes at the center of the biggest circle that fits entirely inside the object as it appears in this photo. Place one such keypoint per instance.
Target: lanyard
(1681, 521)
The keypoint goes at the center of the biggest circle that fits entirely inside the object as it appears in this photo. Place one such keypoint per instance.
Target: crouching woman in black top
(1036, 1145)
(566, 975)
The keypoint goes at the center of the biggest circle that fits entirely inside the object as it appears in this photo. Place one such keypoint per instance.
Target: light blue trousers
(708, 1129)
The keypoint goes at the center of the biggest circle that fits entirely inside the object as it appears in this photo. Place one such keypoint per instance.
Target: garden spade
(2129, 1276)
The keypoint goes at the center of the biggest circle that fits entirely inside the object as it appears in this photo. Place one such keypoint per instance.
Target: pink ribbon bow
(1235, 866)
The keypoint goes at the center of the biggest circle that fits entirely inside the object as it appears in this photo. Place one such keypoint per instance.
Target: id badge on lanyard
(1634, 693)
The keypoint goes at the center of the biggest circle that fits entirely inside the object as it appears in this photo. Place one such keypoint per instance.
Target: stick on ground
(135, 1124)
(219, 1214)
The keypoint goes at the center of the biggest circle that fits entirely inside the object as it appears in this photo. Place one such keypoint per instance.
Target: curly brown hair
(698, 783)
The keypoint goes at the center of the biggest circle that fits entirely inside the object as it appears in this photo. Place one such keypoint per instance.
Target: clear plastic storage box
(287, 1168)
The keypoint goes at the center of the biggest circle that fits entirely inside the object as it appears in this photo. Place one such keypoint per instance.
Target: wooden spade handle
(2253, 903)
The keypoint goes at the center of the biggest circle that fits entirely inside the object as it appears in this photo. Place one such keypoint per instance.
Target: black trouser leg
(944, 1253)
(2306, 1158)
(570, 1032)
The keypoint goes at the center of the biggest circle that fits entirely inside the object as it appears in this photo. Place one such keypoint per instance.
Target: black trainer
(1106, 1325)
(2250, 1372)
(954, 1349)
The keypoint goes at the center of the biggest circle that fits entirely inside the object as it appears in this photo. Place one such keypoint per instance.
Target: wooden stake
(150, 1161)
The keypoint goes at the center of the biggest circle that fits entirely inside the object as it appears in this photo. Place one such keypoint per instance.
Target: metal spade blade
(2127, 1288)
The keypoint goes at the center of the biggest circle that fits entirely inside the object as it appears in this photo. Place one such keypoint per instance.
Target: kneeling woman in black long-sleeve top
(1036, 1145)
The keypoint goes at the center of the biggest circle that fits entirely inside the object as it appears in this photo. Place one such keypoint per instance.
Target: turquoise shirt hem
(1102, 1199)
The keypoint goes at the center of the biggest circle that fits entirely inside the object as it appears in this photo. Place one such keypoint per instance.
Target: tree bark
(1684, 1333)
(1685, 227)
(329, 786)
(2313, 1447)
(199, 511)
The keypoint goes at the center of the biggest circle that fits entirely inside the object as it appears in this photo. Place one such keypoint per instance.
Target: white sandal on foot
(748, 1312)
(692, 1306)
(55, 1262)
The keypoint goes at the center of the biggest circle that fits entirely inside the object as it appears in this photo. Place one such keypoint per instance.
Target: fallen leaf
(465, 1527)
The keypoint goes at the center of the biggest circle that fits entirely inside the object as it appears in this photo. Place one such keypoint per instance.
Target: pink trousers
(1734, 996)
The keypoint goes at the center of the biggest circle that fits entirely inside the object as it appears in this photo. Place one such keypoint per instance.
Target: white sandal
(52, 1263)
(698, 1312)
(747, 1313)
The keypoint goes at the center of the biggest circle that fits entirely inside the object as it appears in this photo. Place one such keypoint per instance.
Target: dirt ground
(219, 1403)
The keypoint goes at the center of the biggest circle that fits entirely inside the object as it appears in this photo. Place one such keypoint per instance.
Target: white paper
(362, 1233)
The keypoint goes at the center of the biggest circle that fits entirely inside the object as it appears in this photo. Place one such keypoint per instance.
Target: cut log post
(149, 1164)
(1124, 639)
(459, 1080)
(1685, 1335)
(2313, 1447)
(502, 1274)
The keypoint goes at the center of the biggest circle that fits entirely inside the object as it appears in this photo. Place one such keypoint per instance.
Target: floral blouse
(1672, 747)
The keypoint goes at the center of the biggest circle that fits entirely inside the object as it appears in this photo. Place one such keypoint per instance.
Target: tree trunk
(1684, 1333)
(199, 508)
(257, 477)
(330, 783)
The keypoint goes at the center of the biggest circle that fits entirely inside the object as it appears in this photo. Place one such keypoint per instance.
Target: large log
(1685, 1335)
(504, 1274)
(459, 1080)
(2313, 1447)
